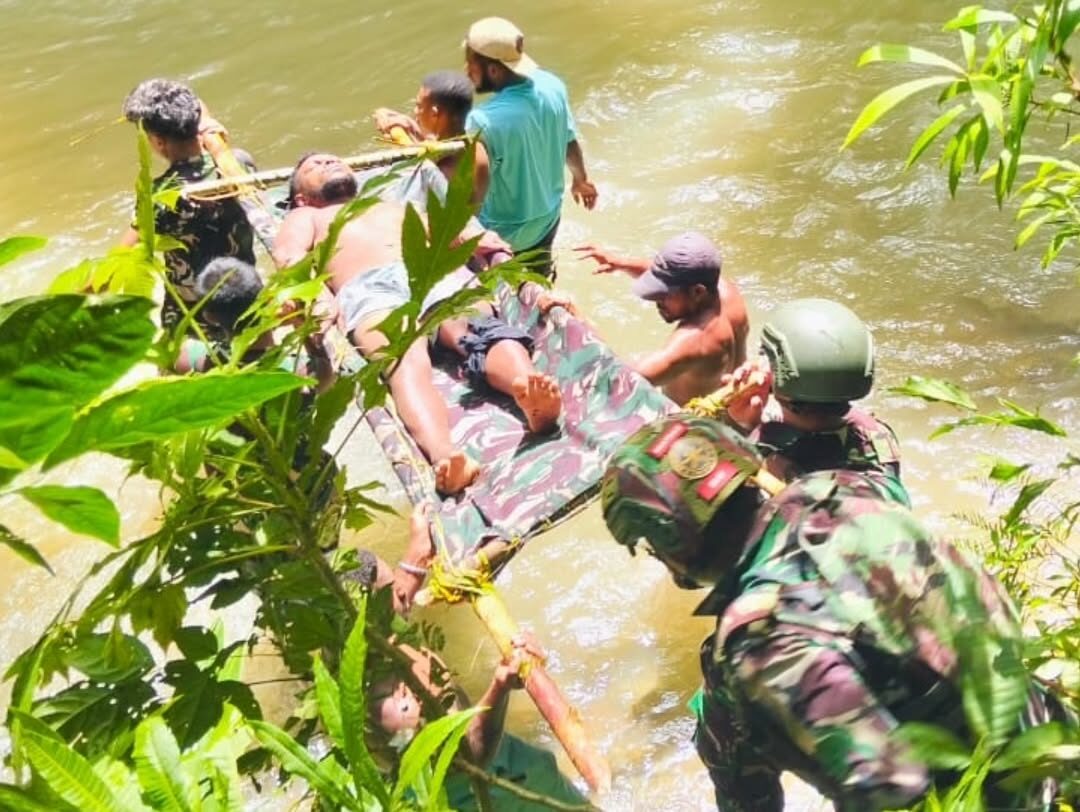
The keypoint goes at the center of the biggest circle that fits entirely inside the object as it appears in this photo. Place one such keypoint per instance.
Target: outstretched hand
(584, 192)
(606, 261)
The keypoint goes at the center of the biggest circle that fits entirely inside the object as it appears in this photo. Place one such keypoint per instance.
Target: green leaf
(933, 130)
(445, 731)
(1006, 471)
(14, 247)
(993, 682)
(195, 642)
(886, 101)
(935, 390)
(57, 353)
(329, 699)
(157, 763)
(987, 93)
(167, 406)
(111, 657)
(10, 460)
(17, 799)
(160, 608)
(297, 761)
(976, 15)
(1027, 496)
(144, 196)
(936, 746)
(1052, 740)
(67, 773)
(80, 509)
(100, 717)
(906, 53)
(23, 549)
(354, 708)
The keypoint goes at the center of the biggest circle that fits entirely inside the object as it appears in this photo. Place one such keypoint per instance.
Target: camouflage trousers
(799, 699)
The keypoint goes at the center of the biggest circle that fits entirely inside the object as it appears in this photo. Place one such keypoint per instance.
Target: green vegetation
(129, 701)
(1013, 80)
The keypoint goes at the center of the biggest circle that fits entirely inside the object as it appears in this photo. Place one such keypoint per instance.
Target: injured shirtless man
(369, 280)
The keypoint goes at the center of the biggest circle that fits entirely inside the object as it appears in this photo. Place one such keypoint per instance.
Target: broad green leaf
(57, 353)
(111, 657)
(886, 101)
(297, 761)
(993, 683)
(14, 247)
(67, 773)
(160, 609)
(935, 390)
(329, 699)
(23, 549)
(976, 15)
(99, 716)
(354, 708)
(157, 763)
(907, 53)
(445, 731)
(81, 509)
(121, 781)
(987, 93)
(932, 131)
(167, 406)
(449, 750)
(1051, 740)
(17, 799)
(936, 746)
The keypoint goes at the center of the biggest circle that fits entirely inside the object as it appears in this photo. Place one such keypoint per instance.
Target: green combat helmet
(667, 482)
(819, 351)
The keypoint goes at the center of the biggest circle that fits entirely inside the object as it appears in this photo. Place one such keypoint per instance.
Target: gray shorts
(372, 293)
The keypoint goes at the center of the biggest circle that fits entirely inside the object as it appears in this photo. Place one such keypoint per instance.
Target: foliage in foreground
(132, 698)
(1014, 68)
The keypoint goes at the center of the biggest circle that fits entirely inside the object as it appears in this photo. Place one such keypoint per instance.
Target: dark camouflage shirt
(863, 443)
(209, 229)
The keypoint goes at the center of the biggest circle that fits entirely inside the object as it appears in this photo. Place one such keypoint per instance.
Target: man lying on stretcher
(369, 280)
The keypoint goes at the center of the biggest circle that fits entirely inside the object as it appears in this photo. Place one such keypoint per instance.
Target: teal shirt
(525, 128)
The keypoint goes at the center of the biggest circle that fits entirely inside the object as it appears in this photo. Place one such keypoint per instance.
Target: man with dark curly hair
(173, 118)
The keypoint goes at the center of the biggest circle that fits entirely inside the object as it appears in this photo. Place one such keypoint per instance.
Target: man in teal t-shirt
(528, 131)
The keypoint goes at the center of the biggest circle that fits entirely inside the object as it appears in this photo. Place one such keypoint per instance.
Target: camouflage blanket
(527, 483)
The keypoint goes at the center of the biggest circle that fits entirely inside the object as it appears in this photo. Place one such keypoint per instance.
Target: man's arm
(294, 239)
(608, 261)
(481, 174)
(581, 187)
(661, 366)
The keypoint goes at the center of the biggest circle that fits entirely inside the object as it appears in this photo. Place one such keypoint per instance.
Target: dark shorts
(484, 333)
(545, 262)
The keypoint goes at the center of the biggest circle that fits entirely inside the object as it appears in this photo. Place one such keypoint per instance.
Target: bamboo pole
(563, 718)
(270, 177)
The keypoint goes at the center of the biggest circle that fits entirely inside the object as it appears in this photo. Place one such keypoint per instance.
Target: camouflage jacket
(209, 229)
(837, 553)
(863, 443)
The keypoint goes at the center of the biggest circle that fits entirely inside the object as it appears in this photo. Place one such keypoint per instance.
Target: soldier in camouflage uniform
(170, 113)
(838, 616)
(820, 358)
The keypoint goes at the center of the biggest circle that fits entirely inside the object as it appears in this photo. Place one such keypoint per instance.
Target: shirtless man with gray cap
(683, 279)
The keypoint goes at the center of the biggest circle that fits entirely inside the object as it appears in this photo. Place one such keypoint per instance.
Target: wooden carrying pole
(563, 718)
(235, 183)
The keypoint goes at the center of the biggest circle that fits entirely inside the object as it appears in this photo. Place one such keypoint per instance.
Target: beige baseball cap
(501, 40)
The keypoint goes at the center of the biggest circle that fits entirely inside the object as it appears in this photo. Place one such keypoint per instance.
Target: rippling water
(725, 117)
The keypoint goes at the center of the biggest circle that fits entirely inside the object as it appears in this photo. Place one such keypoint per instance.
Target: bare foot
(455, 473)
(538, 396)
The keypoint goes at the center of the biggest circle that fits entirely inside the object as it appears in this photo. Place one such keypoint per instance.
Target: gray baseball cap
(683, 261)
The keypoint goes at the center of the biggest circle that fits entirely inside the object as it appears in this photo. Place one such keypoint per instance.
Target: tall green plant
(254, 507)
(1013, 72)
